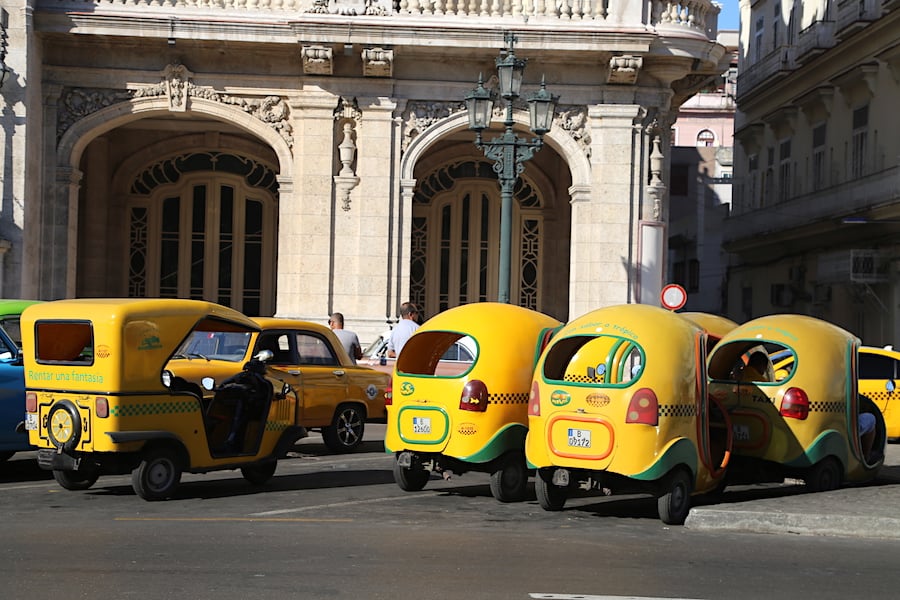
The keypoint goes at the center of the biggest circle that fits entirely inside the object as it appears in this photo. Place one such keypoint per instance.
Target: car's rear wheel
(509, 482)
(260, 473)
(549, 495)
(412, 478)
(824, 476)
(75, 480)
(674, 503)
(158, 474)
(346, 430)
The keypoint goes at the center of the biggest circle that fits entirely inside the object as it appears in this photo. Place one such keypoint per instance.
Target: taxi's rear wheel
(550, 496)
(260, 473)
(346, 430)
(64, 425)
(75, 480)
(158, 474)
(675, 501)
(824, 476)
(410, 479)
(508, 483)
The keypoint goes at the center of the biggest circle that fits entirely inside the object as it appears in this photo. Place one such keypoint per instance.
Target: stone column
(604, 225)
(304, 216)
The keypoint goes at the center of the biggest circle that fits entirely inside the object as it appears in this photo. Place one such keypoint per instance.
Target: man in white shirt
(349, 339)
(403, 330)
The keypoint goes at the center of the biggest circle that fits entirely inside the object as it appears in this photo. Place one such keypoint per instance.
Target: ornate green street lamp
(508, 150)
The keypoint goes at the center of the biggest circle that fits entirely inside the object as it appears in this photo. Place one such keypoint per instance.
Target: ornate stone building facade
(295, 157)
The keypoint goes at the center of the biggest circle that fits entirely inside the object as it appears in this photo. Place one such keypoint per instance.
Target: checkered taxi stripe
(677, 410)
(572, 378)
(508, 398)
(144, 409)
(827, 407)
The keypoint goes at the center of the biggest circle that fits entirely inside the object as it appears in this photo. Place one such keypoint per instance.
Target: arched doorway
(456, 238)
(202, 225)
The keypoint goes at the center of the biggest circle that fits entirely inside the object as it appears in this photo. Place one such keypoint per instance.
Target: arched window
(706, 138)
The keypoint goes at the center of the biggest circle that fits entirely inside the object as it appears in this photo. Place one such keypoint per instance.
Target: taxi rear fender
(153, 439)
(679, 452)
(828, 443)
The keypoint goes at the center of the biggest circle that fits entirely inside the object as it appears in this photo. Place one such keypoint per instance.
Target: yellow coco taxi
(337, 396)
(619, 403)
(100, 401)
(473, 418)
(799, 420)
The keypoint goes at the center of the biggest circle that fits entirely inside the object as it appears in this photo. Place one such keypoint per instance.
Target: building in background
(296, 157)
(815, 220)
(700, 179)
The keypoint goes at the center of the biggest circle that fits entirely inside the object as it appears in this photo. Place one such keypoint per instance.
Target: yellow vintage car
(100, 401)
(473, 418)
(801, 417)
(619, 404)
(337, 397)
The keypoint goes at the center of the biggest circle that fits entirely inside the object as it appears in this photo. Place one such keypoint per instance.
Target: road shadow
(22, 469)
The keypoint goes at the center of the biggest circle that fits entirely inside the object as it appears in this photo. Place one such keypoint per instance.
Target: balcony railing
(853, 15)
(699, 17)
(814, 40)
(773, 66)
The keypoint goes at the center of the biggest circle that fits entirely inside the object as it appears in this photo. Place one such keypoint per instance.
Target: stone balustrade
(693, 16)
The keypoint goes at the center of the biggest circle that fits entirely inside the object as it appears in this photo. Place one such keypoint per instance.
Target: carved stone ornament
(378, 62)
(624, 69)
(317, 60)
(574, 121)
(76, 103)
(419, 116)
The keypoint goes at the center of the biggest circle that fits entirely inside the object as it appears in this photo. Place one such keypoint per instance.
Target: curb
(718, 519)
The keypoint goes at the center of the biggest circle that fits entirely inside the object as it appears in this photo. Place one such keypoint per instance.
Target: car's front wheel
(346, 430)
(158, 475)
(75, 480)
(259, 473)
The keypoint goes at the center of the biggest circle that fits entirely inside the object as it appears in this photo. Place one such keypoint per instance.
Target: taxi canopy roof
(114, 344)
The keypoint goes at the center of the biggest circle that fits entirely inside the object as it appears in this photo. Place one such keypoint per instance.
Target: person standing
(404, 329)
(349, 339)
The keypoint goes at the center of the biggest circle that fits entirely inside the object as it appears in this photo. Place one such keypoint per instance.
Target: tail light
(389, 394)
(534, 402)
(101, 407)
(795, 404)
(643, 408)
(30, 402)
(474, 396)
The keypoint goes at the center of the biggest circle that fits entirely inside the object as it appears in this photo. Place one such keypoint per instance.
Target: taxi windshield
(215, 345)
(604, 360)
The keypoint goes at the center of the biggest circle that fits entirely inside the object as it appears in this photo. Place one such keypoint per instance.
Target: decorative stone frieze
(573, 120)
(176, 87)
(378, 62)
(624, 69)
(317, 60)
(419, 116)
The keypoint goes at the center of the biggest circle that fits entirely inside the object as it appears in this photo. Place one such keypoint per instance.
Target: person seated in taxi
(757, 367)
(866, 423)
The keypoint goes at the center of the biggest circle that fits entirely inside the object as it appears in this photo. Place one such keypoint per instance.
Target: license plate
(579, 438)
(740, 433)
(31, 421)
(421, 425)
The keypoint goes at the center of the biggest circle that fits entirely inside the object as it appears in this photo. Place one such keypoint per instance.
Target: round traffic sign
(673, 296)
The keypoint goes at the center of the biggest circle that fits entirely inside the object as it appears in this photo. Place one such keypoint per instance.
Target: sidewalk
(871, 510)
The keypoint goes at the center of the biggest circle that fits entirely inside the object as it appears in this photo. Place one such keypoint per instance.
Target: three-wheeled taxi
(473, 418)
(619, 403)
(801, 419)
(100, 401)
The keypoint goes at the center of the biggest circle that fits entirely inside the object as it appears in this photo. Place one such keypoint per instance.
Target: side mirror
(264, 355)
(208, 383)
(890, 385)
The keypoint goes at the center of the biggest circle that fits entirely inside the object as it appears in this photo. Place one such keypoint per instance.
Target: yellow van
(473, 416)
(619, 404)
(100, 401)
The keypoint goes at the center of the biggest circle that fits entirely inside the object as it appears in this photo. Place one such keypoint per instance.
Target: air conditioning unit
(853, 266)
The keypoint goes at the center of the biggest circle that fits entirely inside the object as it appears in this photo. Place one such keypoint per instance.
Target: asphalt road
(338, 527)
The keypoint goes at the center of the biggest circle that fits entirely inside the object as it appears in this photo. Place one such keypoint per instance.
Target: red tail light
(534, 402)
(643, 408)
(795, 404)
(101, 407)
(30, 402)
(389, 394)
(474, 396)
